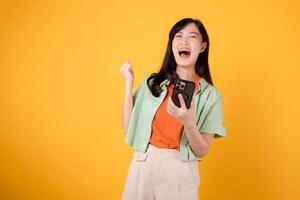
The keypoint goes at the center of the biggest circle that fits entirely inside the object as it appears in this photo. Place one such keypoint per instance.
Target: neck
(186, 73)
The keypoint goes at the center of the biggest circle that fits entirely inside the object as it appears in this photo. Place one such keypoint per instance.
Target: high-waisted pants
(159, 174)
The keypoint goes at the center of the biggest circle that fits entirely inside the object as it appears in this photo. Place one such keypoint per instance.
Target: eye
(193, 36)
(177, 35)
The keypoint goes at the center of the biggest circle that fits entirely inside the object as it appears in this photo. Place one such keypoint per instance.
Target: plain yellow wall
(62, 93)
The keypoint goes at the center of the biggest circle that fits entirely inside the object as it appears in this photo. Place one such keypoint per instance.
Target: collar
(202, 84)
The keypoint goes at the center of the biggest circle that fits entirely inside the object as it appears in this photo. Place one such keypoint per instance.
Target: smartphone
(186, 88)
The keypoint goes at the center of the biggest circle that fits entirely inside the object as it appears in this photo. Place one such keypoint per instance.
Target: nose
(183, 40)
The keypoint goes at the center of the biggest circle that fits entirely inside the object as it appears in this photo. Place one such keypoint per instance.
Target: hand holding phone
(186, 89)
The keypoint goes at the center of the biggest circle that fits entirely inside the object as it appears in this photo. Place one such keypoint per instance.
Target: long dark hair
(168, 68)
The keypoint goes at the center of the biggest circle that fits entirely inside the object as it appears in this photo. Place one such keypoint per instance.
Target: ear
(204, 47)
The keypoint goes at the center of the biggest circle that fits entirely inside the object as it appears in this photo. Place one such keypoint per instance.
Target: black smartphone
(186, 88)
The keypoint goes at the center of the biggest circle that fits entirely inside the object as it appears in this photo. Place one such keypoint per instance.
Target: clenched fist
(126, 71)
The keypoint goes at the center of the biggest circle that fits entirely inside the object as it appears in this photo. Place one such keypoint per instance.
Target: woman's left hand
(182, 114)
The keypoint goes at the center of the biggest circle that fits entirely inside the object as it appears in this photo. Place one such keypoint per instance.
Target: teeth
(183, 50)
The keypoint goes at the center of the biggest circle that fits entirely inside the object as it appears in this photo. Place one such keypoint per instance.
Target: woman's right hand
(127, 72)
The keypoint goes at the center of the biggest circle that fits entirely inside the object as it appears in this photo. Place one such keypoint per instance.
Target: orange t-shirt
(166, 130)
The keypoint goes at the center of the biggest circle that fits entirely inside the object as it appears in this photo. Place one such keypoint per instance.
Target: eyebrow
(191, 32)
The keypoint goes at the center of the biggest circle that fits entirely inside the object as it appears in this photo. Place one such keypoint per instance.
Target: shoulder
(214, 93)
(148, 79)
(143, 84)
(145, 80)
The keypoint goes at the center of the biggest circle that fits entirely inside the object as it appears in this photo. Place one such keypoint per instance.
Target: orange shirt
(166, 130)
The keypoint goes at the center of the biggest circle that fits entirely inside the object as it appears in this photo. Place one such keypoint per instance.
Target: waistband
(153, 148)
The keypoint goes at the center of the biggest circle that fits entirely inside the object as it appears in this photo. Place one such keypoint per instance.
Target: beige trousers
(159, 174)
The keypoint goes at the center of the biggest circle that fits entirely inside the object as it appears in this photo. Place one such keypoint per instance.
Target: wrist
(189, 124)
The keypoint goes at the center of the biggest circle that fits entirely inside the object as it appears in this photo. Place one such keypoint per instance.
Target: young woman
(170, 140)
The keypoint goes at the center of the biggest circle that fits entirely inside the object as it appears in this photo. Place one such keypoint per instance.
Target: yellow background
(62, 93)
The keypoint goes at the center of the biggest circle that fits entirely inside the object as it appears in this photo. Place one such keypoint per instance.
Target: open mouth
(184, 53)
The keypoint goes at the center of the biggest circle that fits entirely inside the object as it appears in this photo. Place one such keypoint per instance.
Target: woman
(170, 140)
